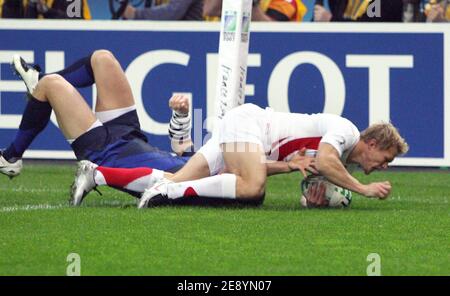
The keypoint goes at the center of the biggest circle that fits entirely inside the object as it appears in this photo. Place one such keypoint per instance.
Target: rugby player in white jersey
(251, 143)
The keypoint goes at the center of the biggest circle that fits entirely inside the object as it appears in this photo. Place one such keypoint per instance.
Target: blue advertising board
(366, 73)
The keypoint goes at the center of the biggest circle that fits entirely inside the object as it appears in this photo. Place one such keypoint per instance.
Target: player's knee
(260, 190)
(102, 56)
(51, 78)
(254, 190)
(258, 201)
(253, 202)
(50, 81)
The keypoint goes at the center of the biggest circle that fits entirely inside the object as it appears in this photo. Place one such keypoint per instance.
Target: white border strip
(49, 154)
(74, 25)
(200, 26)
(417, 161)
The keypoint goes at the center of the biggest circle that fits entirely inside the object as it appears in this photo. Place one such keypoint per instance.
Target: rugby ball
(337, 196)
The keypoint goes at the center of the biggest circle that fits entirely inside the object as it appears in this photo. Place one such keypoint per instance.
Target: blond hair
(387, 136)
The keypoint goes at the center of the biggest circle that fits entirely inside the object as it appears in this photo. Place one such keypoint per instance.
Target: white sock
(220, 186)
(144, 182)
(99, 179)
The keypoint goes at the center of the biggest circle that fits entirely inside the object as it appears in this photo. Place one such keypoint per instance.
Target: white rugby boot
(11, 168)
(155, 195)
(84, 182)
(29, 74)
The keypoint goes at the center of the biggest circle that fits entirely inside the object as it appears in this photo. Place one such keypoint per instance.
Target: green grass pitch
(410, 231)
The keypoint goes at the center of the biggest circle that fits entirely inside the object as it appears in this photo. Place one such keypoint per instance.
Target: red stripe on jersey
(123, 177)
(297, 144)
(190, 192)
(277, 143)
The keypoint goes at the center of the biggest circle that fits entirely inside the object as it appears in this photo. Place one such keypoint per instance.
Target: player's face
(377, 159)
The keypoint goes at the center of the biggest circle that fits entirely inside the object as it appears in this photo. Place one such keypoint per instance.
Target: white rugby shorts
(244, 124)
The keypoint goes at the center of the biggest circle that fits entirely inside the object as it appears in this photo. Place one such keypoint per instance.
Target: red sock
(135, 179)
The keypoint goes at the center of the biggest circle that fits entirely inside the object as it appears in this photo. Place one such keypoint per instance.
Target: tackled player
(111, 136)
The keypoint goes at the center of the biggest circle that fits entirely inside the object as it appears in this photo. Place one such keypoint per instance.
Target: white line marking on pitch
(32, 208)
(17, 208)
(33, 190)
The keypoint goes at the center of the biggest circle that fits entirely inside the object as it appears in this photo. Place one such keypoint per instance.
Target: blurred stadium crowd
(263, 10)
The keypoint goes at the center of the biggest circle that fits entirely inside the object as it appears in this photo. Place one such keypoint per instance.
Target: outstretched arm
(329, 165)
